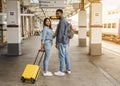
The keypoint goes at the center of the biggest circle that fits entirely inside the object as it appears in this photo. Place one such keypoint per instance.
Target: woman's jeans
(47, 46)
(64, 58)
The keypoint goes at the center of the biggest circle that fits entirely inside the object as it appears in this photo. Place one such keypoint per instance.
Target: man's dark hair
(59, 10)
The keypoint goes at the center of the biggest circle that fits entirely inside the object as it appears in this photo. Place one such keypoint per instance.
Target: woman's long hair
(44, 22)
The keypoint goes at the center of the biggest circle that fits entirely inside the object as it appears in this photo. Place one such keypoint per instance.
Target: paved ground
(86, 70)
(110, 60)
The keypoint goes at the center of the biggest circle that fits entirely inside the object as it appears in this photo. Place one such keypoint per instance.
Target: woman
(46, 45)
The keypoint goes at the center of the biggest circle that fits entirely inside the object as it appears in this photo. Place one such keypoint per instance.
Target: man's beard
(59, 17)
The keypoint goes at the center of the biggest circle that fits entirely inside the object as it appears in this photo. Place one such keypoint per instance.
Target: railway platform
(86, 70)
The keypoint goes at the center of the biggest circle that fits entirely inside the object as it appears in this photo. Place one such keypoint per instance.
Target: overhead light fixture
(53, 17)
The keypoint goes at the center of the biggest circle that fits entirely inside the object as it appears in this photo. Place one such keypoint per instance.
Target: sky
(110, 4)
(107, 5)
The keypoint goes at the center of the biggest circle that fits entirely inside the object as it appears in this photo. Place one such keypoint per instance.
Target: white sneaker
(69, 72)
(59, 73)
(47, 73)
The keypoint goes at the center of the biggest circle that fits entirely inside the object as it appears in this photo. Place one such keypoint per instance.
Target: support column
(95, 43)
(31, 26)
(119, 27)
(41, 26)
(13, 27)
(23, 23)
(82, 24)
(3, 24)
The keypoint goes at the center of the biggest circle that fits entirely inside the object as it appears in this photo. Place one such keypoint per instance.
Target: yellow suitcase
(32, 71)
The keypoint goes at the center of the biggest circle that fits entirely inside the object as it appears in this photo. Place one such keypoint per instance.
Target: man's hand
(56, 46)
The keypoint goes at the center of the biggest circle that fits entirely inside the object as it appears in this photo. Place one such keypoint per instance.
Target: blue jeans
(64, 58)
(47, 46)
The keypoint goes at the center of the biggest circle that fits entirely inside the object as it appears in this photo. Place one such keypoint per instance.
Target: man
(62, 41)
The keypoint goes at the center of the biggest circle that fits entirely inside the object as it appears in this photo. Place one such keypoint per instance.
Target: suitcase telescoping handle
(40, 57)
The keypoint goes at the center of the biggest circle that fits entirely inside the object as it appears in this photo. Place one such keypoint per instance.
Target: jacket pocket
(65, 39)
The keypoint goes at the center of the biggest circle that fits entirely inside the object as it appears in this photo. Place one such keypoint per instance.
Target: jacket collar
(62, 18)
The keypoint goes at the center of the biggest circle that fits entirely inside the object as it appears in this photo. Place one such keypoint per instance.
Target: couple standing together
(61, 44)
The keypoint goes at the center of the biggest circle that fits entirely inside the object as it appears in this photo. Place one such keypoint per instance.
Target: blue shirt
(47, 34)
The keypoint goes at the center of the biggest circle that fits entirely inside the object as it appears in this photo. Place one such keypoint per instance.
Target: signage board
(12, 18)
(51, 3)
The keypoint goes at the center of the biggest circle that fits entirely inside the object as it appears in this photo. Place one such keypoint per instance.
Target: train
(111, 26)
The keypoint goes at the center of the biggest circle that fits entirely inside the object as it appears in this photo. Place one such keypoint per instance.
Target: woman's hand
(42, 48)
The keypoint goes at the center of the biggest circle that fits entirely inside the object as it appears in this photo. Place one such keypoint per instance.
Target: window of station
(113, 25)
(109, 25)
(105, 26)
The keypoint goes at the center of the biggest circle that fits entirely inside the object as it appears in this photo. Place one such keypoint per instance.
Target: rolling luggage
(32, 71)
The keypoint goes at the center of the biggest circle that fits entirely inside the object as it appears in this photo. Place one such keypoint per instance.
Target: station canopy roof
(47, 8)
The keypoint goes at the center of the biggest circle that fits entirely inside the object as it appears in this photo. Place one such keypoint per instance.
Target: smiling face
(59, 13)
(47, 22)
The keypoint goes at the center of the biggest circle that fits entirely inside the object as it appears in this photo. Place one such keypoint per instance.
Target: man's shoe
(68, 72)
(59, 73)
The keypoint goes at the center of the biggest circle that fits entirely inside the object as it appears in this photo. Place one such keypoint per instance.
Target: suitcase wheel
(23, 79)
(32, 80)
